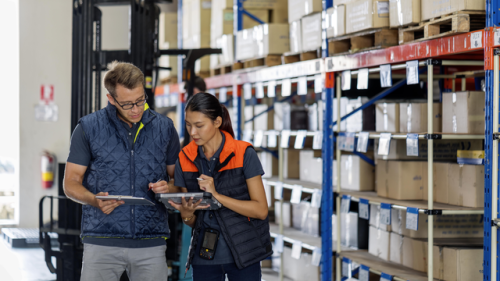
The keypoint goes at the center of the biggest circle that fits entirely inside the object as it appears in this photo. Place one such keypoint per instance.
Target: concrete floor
(23, 264)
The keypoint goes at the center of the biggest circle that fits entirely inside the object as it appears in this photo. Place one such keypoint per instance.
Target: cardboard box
(226, 43)
(297, 9)
(245, 44)
(269, 163)
(436, 8)
(343, 111)
(258, 4)
(444, 150)
(196, 18)
(446, 226)
(362, 120)
(463, 112)
(282, 111)
(311, 168)
(311, 32)
(401, 180)
(404, 12)
(297, 269)
(441, 184)
(310, 221)
(366, 14)
(168, 24)
(272, 39)
(457, 263)
(466, 185)
(264, 121)
(354, 231)
(298, 211)
(248, 114)
(375, 218)
(415, 254)
(413, 117)
(357, 174)
(379, 243)
(291, 164)
(313, 117)
(287, 213)
(396, 248)
(335, 21)
(296, 37)
(387, 117)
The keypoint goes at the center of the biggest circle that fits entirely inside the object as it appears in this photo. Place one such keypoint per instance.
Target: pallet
(302, 56)
(363, 41)
(446, 25)
(221, 70)
(269, 60)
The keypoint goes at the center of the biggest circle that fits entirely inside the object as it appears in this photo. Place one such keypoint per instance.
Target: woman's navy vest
(119, 169)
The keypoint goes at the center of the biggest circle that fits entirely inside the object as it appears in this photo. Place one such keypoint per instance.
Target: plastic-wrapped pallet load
(404, 12)
(295, 37)
(433, 8)
(335, 21)
(300, 8)
(356, 173)
(413, 117)
(387, 117)
(463, 112)
(457, 263)
(311, 32)
(379, 243)
(366, 14)
(310, 167)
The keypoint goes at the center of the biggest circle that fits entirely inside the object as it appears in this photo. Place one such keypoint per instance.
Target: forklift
(88, 62)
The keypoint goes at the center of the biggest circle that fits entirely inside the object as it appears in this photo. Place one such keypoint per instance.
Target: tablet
(206, 199)
(129, 200)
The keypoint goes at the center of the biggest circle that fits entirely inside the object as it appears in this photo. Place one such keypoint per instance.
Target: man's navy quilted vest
(248, 239)
(119, 169)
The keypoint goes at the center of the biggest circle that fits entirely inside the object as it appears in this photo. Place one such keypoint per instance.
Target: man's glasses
(129, 106)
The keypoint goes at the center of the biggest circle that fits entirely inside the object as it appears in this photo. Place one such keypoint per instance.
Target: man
(199, 85)
(123, 149)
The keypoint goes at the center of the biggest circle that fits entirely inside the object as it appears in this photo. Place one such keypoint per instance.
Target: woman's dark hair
(212, 108)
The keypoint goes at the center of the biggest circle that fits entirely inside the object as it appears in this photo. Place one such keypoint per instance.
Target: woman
(229, 169)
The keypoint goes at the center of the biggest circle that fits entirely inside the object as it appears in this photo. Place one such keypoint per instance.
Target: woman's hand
(207, 184)
(187, 207)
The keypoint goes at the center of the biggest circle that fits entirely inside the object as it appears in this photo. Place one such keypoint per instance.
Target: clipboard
(206, 199)
(129, 200)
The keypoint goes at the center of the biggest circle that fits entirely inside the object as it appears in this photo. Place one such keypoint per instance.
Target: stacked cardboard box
(168, 40)
(262, 40)
(402, 180)
(463, 112)
(387, 117)
(311, 167)
(366, 14)
(404, 12)
(457, 263)
(413, 117)
(434, 9)
(196, 18)
(335, 21)
(357, 174)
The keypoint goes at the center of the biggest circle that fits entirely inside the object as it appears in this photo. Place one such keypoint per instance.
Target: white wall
(45, 58)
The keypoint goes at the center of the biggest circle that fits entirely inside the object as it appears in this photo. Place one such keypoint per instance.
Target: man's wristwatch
(188, 219)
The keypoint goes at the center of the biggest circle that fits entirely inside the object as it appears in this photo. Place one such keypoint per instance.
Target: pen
(200, 179)
(152, 186)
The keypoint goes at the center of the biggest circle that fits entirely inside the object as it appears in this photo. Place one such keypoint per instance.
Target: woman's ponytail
(226, 121)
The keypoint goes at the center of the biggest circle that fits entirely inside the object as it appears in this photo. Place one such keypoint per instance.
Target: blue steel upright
(492, 20)
(327, 155)
(237, 97)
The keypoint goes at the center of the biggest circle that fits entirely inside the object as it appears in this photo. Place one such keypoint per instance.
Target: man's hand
(106, 206)
(159, 187)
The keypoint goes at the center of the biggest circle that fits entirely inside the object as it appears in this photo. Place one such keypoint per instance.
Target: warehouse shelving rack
(452, 50)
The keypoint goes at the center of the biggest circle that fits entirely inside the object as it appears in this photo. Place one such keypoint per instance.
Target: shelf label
(497, 37)
(385, 213)
(384, 144)
(247, 135)
(363, 142)
(285, 138)
(257, 138)
(364, 273)
(412, 218)
(364, 209)
(316, 257)
(278, 191)
(247, 91)
(302, 86)
(286, 87)
(300, 139)
(318, 84)
(412, 72)
(346, 141)
(476, 40)
(316, 198)
(296, 194)
(259, 90)
(271, 89)
(363, 79)
(272, 139)
(223, 94)
(346, 267)
(296, 249)
(412, 145)
(318, 140)
(385, 76)
(385, 277)
(279, 243)
(345, 204)
(346, 80)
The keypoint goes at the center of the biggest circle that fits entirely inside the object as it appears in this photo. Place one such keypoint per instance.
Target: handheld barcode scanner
(209, 245)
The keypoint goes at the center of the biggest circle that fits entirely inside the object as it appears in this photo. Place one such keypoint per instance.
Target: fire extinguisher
(48, 168)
